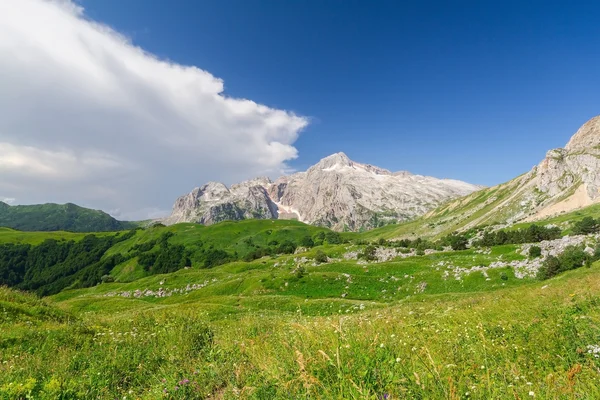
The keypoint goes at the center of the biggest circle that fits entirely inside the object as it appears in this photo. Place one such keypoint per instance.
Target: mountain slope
(58, 217)
(566, 180)
(336, 192)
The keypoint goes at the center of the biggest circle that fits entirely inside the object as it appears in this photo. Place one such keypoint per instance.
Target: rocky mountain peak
(335, 160)
(587, 137)
(336, 192)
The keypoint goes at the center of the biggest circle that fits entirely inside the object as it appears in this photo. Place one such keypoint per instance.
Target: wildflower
(382, 345)
(398, 359)
(532, 394)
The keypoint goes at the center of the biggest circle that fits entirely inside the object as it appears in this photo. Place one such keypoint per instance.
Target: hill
(451, 324)
(59, 217)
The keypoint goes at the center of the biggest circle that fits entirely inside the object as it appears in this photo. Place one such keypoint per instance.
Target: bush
(535, 251)
(549, 268)
(286, 247)
(572, 257)
(458, 242)
(368, 253)
(307, 242)
(586, 226)
(333, 238)
(212, 258)
(301, 272)
(320, 257)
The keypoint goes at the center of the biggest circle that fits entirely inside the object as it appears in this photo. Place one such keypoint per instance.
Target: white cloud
(87, 117)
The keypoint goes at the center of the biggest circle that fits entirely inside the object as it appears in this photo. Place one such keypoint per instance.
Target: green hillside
(58, 217)
(262, 309)
(486, 207)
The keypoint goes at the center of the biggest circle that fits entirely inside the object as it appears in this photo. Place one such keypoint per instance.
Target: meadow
(441, 325)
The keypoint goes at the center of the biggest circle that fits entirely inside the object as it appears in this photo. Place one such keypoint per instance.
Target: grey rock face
(578, 163)
(336, 192)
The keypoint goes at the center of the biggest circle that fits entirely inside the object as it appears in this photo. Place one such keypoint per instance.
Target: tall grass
(533, 341)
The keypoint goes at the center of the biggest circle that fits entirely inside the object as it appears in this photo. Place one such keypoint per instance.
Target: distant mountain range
(348, 196)
(59, 217)
(336, 192)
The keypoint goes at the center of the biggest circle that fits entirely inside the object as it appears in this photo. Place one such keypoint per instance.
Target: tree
(307, 241)
(458, 242)
(585, 226)
(549, 268)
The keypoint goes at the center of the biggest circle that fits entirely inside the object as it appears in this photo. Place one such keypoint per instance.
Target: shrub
(320, 257)
(301, 272)
(549, 268)
(287, 247)
(586, 226)
(573, 257)
(333, 238)
(458, 242)
(535, 251)
(368, 253)
(307, 241)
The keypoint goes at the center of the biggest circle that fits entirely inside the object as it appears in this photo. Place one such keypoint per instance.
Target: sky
(123, 105)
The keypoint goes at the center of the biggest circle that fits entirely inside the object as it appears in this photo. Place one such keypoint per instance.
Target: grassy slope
(57, 217)
(262, 330)
(8, 235)
(486, 207)
(503, 343)
(232, 236)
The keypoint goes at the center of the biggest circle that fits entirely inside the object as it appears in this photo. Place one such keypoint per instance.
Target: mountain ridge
(566, 180)
(336, 192)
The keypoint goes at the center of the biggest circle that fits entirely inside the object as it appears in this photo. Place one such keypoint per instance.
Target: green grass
(8, 235)
(492, 344)
(267, 329)
(56, 217)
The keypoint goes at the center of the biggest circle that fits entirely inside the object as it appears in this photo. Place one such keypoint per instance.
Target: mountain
(58, 217)
(567, 179)
(336, 192)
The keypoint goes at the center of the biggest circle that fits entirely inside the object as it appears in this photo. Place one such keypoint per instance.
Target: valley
(486, 296)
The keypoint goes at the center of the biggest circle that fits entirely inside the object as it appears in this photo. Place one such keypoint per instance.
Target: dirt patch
(577, 200)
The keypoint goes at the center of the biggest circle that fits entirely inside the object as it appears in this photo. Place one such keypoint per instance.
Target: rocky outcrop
(577, 164)
(567, 179)
(336, 192)
(214, 202)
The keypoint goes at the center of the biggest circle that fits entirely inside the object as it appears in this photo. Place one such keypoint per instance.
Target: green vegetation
(586, 226)
(572, 257)
(263, 309)
(58, 217)
(532, 234)
(53, 266)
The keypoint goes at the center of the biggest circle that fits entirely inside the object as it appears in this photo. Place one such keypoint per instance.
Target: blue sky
(473, 90)
(125, 105)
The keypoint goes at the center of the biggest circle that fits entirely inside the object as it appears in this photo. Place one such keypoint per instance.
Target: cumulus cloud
(88, 117)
